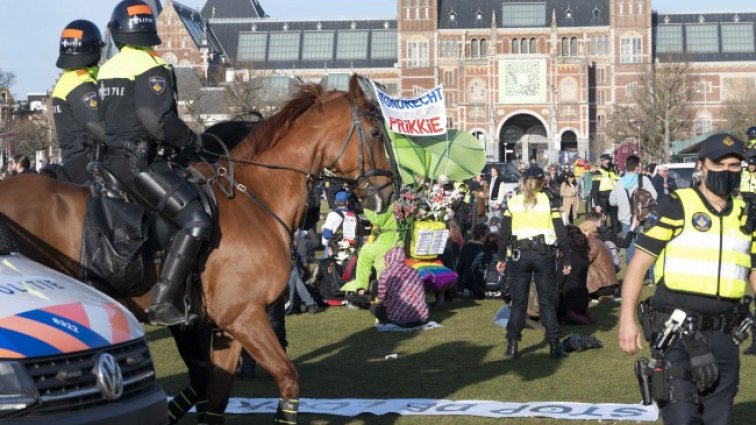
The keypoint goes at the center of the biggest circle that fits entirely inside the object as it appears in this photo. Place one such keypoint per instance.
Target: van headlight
(17, 390)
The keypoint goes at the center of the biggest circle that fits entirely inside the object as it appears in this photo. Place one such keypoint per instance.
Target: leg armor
(174, 198)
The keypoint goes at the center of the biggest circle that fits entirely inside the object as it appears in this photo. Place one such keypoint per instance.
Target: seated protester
(453, 245)
(401, 293)
(464, 269)
(326, 278)
(305, 244)
(485, 276)
(340, 224)
(299, 295)
(573, 307)
(603, 231)
(602, 277)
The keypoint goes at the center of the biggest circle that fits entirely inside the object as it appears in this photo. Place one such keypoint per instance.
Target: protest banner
(424, 115)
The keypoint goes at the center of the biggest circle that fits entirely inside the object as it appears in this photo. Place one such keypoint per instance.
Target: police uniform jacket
(137, 91)
(747, 183)
(525, 223)
(76, 111)
(703, 256)
(603, 182)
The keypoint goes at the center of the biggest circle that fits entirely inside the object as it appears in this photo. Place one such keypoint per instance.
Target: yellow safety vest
(747, 181)
(608, 178)
(711, 256)
(528, 222)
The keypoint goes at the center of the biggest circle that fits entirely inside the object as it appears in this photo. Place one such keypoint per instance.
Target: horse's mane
(273, 129)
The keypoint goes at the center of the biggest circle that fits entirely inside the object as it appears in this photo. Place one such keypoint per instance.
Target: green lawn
(340, 355)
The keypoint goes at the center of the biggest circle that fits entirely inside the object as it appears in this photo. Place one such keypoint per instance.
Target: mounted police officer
(531, 228)
(75, 101)
(604, 179)
(704, 256)
(137, 90)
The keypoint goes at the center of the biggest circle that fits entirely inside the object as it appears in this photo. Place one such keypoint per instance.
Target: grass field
(340, 355)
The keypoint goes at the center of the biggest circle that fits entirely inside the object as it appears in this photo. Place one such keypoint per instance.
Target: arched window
(170, 58)
(483, 51)
(565, 46)
(474, 48)
(573, 46)
(515, 46)
(524, 45)
(533, 45)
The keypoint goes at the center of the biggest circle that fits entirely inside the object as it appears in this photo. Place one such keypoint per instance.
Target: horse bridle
(364, 177)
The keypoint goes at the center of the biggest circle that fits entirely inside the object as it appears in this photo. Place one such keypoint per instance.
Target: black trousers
(716, 403)
(533, 263)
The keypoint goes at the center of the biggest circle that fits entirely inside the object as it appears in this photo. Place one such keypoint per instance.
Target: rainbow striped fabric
(434, 274)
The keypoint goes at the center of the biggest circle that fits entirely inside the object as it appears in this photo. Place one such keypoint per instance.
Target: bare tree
(31, 135)
(661, 110)
(191, 97)
(739, 111)
(7, 78)
(254, 93)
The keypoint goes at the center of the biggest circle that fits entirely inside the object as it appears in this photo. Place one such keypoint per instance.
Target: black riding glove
(704, 369)
(195, 144)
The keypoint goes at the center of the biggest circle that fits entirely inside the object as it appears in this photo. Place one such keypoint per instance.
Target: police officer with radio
(137, 91)
(531, 228)
(75, 101)
(604, 179)
(705, 257)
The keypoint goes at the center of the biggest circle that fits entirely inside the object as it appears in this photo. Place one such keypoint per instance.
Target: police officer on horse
(75, 100)
(137, 90)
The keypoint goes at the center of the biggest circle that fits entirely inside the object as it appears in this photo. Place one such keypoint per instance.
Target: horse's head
(361, 155)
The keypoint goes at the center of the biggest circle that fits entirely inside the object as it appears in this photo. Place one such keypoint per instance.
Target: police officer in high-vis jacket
(530, 231)
(137, 91)
(75, 101)
(705, 258)
(751, 134)
(603, 183)
(748, 181)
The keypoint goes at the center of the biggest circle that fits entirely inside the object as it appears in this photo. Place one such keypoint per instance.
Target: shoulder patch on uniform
(701, 222)
(157, 84)
(90, 100)
(153, 53)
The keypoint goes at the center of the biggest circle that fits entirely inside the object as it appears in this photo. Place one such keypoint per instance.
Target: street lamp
(702, 88)
(639, 124)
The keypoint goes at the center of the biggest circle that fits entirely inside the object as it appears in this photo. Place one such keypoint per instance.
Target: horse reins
(228, 173)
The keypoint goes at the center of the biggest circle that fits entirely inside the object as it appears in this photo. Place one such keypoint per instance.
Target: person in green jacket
(387, 236)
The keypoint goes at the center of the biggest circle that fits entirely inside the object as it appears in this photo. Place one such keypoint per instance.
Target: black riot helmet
(80, 45)
(133, 23)
(751, 133)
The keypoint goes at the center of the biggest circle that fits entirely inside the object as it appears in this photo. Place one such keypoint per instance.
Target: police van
(70, 355)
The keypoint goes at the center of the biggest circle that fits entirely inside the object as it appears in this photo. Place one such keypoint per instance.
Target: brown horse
(248, 269)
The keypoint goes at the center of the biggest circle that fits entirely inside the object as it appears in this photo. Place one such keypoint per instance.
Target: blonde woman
(570, 199)
(535, 227)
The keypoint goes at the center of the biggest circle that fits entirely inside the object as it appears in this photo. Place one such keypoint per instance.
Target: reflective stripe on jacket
(711, 255)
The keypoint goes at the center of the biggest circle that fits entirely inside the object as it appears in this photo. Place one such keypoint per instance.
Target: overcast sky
(30, 28)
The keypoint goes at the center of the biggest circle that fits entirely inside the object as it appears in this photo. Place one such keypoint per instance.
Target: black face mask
(722, 183)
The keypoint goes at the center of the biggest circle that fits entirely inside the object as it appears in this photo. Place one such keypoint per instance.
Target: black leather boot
(556, 351)
(511, 352)
(170, 287)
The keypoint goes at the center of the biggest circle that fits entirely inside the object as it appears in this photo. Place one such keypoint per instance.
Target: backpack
(642, 205)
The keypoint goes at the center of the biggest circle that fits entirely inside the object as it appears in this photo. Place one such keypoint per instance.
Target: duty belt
(724, 322)
(535, 243)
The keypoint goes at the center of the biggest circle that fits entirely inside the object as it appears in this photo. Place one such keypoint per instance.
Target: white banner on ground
(424, 115)
(422, 406)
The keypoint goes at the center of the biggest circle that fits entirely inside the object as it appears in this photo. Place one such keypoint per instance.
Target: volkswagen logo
(109, 377)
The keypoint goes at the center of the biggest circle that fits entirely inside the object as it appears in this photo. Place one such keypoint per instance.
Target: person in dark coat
(663, 184)
(467, 255)
(573, 307)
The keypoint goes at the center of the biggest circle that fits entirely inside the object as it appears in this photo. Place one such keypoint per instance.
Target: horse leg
(253, 330)
(224, 358)
(194, 347)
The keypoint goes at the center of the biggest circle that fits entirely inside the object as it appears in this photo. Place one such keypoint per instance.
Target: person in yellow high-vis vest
(531, 228)
(604, 179)
(705, 258)
(748, 181)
